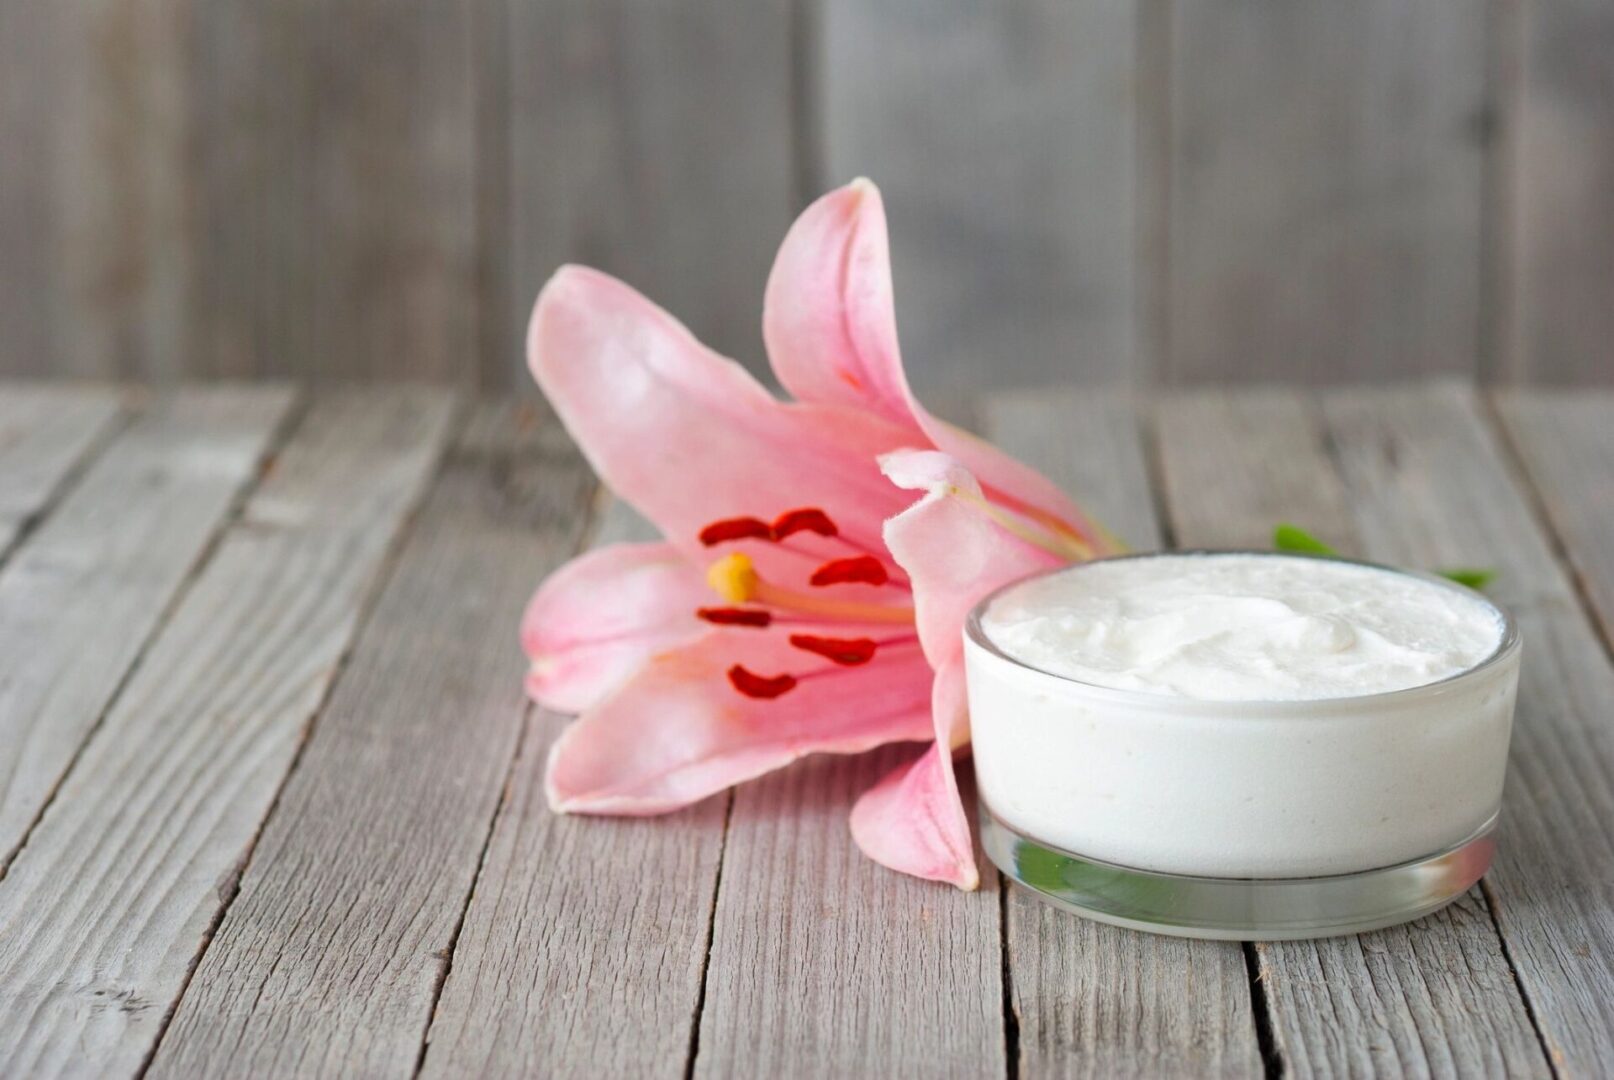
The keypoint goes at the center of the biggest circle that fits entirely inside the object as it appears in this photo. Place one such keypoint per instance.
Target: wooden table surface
(270, 796)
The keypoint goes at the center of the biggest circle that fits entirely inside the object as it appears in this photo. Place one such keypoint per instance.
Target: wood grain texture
(106, 909)
(123, 240)
(677, 168)
(1432, 998)
(1090, 999)
(1104, 191)
(46, 432)
(586, 939)
(27, 337)
(93, 214)
(1326, 184)
(81, 597)
(825, 963)
(1563, 193)
(335, 189)
(1431, 488)
(1566, 441)
(1435, 998)
(1004, 138)
(1235, 465)
(415, 744)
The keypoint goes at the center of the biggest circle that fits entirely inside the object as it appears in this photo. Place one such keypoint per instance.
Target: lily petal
(599, 617)
(827, 315)
(829, 321)
(677, 731)
(913, 820)
(952, 549)
(688, 437)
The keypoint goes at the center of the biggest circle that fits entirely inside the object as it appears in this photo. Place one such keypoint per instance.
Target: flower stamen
(861, 569)
(807, 519)
(734, 616)
(848, 652)
(736, 528)
(764, 687)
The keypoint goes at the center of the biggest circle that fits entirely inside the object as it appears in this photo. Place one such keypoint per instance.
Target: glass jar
(1252, 820)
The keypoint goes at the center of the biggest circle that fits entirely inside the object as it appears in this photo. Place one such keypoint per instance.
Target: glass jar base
(1237, 909)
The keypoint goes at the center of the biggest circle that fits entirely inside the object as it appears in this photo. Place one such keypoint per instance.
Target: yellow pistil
(735, 579)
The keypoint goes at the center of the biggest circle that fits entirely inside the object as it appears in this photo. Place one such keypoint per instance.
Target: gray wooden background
(1120, 190)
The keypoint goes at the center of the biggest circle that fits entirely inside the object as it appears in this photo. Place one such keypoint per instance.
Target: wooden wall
(1138, 190)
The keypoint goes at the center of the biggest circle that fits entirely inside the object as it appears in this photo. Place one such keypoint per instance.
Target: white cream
(1232, 715)
(1243, 627)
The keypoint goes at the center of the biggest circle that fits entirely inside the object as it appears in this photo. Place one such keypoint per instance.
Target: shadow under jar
(1289, 816)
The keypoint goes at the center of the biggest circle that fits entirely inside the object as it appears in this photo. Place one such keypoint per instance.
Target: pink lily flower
(798, 603)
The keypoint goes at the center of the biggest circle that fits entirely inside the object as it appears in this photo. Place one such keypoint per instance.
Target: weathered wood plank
(82, 595)
(678, 174)
(93, 212)
(569, 963)
(1005, 139)
(1326, 184)
(1234, 465)
(105, 910)
(27, 340)
(45, 434)
(1566, 441)
(415, 745)
(1096, 1000)
(1563, 190)
(1434, 998)
(826, 964)
(335, 189)
(1432, 488)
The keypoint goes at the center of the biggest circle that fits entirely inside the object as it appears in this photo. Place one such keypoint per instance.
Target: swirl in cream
(1241, 627)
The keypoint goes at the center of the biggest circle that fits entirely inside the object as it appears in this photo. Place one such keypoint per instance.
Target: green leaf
(1081, 882)
(1288, 537)
(1039, 867)
(1472, 577)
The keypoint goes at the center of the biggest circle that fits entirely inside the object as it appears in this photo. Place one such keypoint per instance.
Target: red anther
(864, 569)
(848, 651)
(760, 686)
(734, 616)
(807, 519)
(739, 528)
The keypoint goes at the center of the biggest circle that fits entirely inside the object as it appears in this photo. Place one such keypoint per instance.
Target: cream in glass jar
(1244, 745)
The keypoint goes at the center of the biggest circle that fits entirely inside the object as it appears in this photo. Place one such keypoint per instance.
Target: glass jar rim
(1507, 646)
